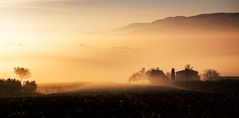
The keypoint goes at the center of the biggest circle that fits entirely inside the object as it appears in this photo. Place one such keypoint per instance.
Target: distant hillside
(202, 22)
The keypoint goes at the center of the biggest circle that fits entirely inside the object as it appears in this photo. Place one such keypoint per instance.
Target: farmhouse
(187, 75)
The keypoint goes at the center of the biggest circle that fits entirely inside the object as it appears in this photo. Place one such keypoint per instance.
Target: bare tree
(22, 72)
(211, 75)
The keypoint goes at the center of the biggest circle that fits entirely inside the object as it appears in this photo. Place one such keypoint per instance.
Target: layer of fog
(106, 87)
(114, 57)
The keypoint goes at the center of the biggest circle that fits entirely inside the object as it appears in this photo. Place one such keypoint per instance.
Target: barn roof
(187, 70)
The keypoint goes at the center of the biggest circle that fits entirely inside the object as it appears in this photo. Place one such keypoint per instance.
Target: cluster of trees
(140, 76)
(156, 75)
(153, 75)
(10, 86)
(14, 86)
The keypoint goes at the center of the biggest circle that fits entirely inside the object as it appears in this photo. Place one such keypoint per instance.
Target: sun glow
(61, 40)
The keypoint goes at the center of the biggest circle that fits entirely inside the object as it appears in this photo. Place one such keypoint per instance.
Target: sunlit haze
(71, 40)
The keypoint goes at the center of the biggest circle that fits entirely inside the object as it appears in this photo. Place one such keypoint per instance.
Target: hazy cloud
(124, 49)
(83, 45)
(11, 44)
(152, 4)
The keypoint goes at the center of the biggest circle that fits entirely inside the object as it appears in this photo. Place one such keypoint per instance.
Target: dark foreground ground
(134, 102)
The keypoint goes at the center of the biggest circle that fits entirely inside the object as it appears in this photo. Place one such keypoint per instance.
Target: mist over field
(119, 58)
(113, 55)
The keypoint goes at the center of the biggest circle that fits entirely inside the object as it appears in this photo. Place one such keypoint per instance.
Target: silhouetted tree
(10, 86)
(138, 76)
(173, 74)
(188, 67)
(13, 87)
(22, 72)
(211, 75)
(156, 75)
(153, 76)
(29, 86)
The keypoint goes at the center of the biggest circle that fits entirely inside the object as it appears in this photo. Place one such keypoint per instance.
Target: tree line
(12, 86)
(154, 75)
(151, 75)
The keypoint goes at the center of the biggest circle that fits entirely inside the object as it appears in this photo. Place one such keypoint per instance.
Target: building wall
(187, 75)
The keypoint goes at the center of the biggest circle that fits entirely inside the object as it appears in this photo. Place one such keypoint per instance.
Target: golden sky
(58, 40)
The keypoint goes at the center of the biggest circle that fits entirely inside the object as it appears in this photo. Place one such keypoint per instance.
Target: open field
(127, 101)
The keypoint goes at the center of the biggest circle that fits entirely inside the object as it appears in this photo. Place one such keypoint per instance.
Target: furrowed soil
(124, 102)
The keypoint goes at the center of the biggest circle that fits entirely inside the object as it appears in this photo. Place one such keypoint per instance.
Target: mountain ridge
(201, 22)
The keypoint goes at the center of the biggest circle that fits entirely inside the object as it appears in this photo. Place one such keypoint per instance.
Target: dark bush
(13, 87)
(29, 86)
(10, 86)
